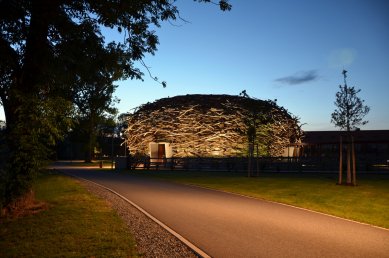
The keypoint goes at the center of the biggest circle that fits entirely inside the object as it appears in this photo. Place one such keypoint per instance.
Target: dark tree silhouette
(44, 49)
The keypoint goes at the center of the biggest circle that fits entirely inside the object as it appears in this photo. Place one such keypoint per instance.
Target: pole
(257, 160)
(113, 130)
(340, 161)
(251, 147)
(349, 177)
(354, 162)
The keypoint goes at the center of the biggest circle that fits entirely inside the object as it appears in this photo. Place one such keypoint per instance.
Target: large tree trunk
(22, 112)
(91, 137)
(89, 148)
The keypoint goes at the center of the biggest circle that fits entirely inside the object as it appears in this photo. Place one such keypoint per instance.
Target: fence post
(340, 161)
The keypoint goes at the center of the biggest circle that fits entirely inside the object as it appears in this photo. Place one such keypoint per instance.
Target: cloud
(341, 58)
(299, 78)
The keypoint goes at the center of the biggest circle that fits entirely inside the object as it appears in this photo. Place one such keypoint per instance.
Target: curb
(288, 205)
(186, 242)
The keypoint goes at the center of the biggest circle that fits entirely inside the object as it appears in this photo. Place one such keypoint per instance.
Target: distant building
(371, 146)
(371, 143)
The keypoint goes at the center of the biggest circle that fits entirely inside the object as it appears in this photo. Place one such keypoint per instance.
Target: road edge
(185, 241)
(288, 205)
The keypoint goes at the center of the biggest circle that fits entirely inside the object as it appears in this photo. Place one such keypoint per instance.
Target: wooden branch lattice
(211, 125)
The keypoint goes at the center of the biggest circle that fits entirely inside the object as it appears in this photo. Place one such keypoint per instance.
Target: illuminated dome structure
(210, 126)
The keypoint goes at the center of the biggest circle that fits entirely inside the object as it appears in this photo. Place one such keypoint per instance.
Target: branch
(223, 4)
(163, 83)
(182, 19)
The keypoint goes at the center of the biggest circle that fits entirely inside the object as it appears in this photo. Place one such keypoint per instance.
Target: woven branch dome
(212, 125)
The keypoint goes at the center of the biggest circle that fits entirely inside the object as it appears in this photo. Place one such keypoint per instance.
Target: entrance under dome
(159, 151)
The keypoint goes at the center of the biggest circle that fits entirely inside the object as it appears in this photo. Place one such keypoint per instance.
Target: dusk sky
(292, 51)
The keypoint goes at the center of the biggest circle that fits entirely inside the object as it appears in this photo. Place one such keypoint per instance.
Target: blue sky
(292, 51)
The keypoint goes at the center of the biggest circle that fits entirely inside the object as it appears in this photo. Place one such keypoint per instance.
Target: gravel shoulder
(152, 240)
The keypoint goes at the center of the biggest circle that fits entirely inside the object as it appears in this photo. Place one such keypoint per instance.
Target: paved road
(227, 225)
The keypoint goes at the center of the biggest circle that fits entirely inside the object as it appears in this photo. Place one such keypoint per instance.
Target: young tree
(349, 114)
(270, 129)
(40, 67)
(350, 110)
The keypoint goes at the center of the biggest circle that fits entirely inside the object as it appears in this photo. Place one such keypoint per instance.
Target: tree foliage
(94, 110)
(48, 49)
(93, 93)
(350, 110)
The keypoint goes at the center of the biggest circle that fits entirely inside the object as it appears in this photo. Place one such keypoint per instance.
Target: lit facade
(210, 126)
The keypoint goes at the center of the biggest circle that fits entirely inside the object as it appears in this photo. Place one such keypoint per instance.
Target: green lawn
(77, 224)
(368, 202)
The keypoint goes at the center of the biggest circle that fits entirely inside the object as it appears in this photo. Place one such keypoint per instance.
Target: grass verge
(76, 224)
(367, 202)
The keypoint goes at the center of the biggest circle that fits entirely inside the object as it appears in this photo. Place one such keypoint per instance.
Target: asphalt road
(228, 225)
